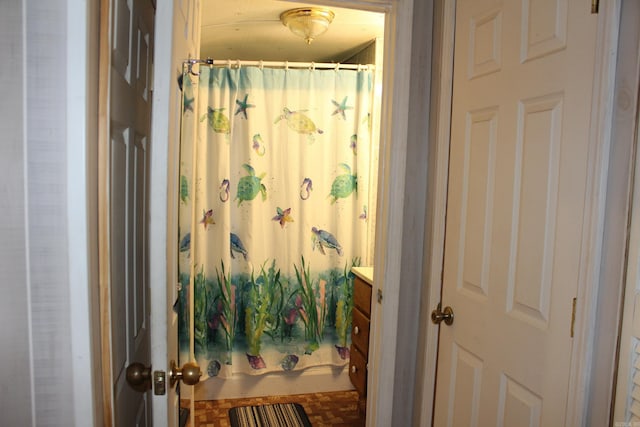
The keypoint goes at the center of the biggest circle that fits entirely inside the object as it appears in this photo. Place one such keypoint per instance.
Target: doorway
(390, 229)
(258, 17)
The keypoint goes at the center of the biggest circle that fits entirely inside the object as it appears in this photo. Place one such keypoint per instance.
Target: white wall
(34, 187)
(15, 396)
(46, 212)
(45, 351)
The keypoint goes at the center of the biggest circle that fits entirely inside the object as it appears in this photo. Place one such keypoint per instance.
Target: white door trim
(163, 211)
(591, 254)
(82, 103)
(627, 136)
(439, 140)
(391, 366)
(617, 302)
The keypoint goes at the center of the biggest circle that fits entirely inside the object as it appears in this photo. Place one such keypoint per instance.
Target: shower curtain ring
(261, 64)
(238, 63)
(190, 65)
(338, 66)
(286, 65)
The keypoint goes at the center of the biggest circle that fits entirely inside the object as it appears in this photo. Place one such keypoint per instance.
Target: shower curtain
(277, 181)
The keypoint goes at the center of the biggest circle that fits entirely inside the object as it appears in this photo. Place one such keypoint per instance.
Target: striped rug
(276, 415)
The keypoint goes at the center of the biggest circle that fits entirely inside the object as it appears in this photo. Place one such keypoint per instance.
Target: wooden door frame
(104, 259)
(160, 239)
(593, 247)
(164, 191)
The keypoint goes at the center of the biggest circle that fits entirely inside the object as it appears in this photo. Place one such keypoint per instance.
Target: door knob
(189, 373)
(139, 377)
(438, 315)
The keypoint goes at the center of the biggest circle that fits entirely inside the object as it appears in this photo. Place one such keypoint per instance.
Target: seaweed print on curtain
(275, 188)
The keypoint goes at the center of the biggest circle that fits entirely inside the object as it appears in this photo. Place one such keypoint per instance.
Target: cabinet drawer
(360, 331)
(362, 296)
(358, 371)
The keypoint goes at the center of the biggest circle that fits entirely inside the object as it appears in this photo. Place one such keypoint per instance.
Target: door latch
(159, 383)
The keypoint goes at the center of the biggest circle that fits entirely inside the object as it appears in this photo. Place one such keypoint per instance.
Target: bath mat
(275, 415)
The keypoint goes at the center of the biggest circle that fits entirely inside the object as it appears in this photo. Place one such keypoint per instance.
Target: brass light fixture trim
(307, 22)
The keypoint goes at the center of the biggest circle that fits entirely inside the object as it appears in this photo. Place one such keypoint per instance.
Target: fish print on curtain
(275, 186)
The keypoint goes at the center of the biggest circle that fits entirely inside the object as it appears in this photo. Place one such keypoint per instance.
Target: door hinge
(151, 73)
(595, 5)
(379, 296)
(573, 315)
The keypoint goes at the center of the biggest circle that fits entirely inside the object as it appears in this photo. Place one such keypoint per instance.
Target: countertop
(365, 273)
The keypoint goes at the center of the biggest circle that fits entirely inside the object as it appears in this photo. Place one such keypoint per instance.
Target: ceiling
(251, 30)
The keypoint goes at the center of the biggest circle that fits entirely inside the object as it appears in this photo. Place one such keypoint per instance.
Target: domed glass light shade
(307, 23)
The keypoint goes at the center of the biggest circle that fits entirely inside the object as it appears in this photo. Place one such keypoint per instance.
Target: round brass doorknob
(356, 330)
(139, 376)
(354, 369)
(189, 373)
(438, 315)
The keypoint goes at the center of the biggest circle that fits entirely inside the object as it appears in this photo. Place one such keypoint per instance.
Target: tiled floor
(339, 409)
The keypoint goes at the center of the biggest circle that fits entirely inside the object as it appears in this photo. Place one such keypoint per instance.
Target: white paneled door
(129, 133)
(522, 86)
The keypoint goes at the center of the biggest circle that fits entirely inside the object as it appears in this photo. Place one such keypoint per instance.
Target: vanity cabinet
(360, 338)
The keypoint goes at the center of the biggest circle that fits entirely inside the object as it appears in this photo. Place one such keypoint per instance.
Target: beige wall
(366, 56)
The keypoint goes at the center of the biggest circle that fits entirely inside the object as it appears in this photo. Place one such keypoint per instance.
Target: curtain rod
(277, 64)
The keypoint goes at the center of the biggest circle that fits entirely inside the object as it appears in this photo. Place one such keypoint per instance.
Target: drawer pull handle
(354, 369)
(356, 330)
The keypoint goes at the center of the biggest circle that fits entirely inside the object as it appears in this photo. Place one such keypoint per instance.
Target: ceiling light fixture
(307, 22)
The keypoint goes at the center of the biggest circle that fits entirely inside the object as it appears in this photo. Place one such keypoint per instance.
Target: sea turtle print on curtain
(276, 167)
